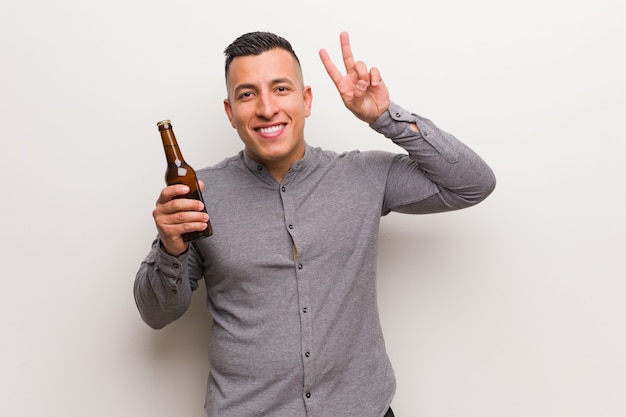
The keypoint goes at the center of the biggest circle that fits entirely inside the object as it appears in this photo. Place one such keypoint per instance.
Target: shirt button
(305, 309)
(175, 266)
(308, 395)
(299, 266)
(259, 168)
(283, 189)
(307, 354)
(291, 226)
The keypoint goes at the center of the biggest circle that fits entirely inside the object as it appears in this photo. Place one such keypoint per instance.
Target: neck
(278, 168)
(278, 172)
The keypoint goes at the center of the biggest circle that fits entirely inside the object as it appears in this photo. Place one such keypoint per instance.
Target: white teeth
(272, 129)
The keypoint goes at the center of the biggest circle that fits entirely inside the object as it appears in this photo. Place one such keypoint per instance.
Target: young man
(290, 270)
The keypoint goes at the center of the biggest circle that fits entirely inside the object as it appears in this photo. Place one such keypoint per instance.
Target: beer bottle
(179, 172)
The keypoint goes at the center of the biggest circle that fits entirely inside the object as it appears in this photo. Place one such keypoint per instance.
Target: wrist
(175, 252)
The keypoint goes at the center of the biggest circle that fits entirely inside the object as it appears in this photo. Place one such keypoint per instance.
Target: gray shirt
(290, 270)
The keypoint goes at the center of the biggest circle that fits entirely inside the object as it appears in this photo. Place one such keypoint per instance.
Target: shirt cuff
(172, 268)
(395, 121)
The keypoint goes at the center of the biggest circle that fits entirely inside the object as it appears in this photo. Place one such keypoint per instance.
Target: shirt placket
(287, 192)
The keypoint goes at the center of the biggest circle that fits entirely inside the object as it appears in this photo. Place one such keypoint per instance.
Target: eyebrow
(250, 86)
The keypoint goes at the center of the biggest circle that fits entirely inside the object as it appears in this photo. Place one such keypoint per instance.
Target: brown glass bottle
(179, 172)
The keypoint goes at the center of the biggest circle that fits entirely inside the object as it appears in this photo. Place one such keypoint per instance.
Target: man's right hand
(175, 216)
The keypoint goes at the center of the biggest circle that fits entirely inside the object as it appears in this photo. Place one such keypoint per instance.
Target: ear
(229, 112)
(307, 96)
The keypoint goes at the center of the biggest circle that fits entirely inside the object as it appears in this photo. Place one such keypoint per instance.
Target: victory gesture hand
(362, 91)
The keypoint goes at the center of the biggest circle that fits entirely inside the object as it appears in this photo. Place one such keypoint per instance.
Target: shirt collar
(260, 170)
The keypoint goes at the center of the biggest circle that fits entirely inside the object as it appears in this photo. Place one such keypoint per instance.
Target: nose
(266, 106)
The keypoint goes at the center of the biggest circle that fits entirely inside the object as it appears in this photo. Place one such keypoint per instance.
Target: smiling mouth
(271, 130)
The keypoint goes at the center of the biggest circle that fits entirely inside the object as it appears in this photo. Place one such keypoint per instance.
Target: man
(290, 270)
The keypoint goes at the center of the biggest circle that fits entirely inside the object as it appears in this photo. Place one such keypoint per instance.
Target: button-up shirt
(290, 270)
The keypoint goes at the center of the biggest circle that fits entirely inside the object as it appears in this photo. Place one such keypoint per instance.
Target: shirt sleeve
(439, 173)
(162, 287)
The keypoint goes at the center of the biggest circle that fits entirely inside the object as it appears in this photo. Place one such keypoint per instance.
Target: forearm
(162, 288)
(461, 176)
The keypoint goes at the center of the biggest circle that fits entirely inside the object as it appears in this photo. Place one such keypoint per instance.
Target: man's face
(267, 103)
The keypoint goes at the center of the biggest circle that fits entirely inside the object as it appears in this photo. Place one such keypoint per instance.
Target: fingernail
(361, 85)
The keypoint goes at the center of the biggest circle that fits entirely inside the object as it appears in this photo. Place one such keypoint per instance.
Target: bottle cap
(164, 124)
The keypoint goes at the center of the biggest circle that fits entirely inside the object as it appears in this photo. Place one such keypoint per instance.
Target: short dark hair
(255, 43)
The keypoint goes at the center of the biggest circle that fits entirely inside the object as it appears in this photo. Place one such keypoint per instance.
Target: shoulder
(231, 162)
(370, 165)
(356, 156)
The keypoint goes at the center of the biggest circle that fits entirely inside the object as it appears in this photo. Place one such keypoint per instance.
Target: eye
(245, 95)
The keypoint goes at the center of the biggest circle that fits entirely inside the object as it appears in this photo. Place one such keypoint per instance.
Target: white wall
(511, 308)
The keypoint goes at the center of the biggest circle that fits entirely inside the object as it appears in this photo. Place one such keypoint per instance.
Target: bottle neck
(170, 145)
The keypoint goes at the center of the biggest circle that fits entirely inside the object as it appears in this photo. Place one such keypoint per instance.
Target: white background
(511, 308)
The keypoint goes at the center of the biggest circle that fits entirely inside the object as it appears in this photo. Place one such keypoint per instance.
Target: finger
(331, 68)
(189, 220)
(181, 205)
(346, 51)
(375, 77)
(363, 79)
(180, 222)
(171, 191)
(361, 71)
